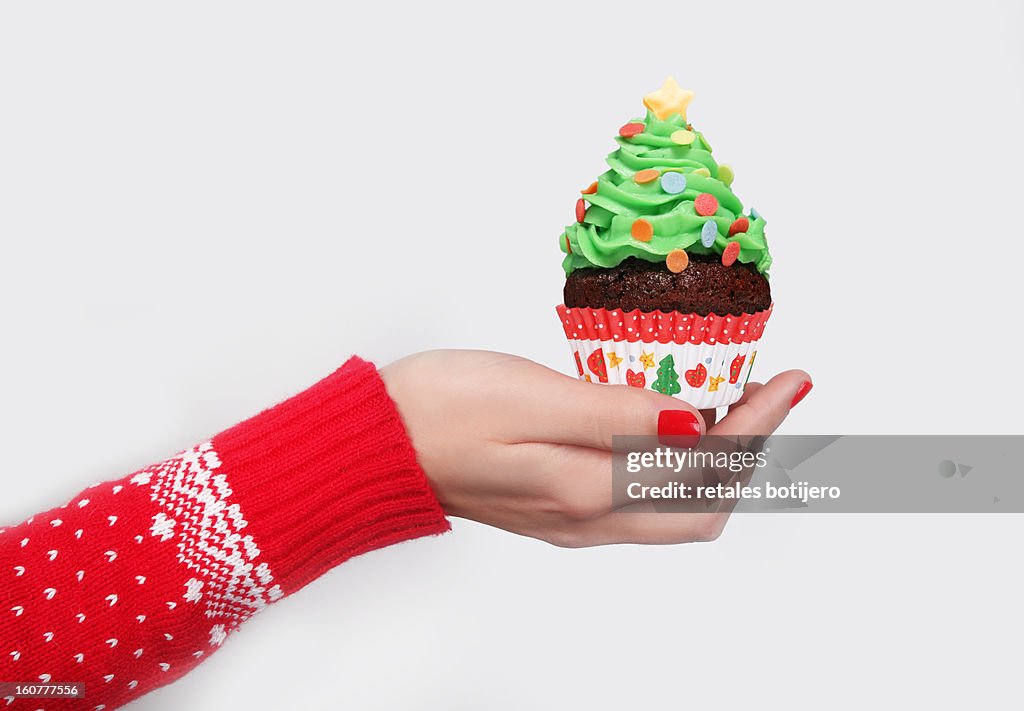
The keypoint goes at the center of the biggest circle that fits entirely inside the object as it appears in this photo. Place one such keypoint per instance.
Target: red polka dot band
(704, 360)
(656, 326)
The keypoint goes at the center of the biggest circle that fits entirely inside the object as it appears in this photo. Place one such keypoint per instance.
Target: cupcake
(666, 273)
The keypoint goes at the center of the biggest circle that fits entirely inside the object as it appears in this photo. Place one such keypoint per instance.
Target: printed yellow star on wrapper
(669, 99)
(647, 360)
(713, 382)
(614, 360)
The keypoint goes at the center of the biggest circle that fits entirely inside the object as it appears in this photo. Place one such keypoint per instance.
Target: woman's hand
(513, 444)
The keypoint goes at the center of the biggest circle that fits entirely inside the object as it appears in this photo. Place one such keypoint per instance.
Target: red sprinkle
(581, 210)
(732, 250)
(591, 189)
(741, 224)
(631, 129)
(706, 205)
(568, 247)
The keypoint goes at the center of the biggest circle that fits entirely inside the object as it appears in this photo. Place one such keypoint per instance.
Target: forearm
(134, 582)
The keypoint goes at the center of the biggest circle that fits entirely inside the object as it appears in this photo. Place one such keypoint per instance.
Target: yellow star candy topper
(669, 99)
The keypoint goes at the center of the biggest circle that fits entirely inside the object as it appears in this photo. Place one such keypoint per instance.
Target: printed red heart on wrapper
(735, 368)
(595, 361)
(696, 377)
(636, 380)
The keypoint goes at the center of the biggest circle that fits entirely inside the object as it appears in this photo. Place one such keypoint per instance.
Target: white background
(206, 206)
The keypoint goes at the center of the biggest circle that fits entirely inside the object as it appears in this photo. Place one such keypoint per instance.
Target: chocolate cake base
(704, 287)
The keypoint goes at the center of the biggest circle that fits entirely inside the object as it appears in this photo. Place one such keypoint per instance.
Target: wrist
(327, 475)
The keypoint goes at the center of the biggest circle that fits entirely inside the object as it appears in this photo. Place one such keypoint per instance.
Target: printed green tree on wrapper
(667, 381)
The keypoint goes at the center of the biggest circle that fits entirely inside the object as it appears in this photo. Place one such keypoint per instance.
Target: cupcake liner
(704, 360)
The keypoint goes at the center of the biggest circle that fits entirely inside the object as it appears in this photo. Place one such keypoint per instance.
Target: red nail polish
(678, 428)
(801, 393)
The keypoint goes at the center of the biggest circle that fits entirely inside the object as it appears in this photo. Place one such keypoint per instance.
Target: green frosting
(604, 238)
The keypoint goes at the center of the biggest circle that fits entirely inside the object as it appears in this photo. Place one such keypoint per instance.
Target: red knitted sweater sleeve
(134, 582)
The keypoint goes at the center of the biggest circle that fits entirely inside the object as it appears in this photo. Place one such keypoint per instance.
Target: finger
(759, 412)
(749, 390)
(641, 524)
(589, 415)
(763, 409)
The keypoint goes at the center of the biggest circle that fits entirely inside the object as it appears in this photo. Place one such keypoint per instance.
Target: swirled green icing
(604, 238)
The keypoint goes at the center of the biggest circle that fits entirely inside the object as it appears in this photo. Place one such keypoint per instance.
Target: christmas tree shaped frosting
(664, 196)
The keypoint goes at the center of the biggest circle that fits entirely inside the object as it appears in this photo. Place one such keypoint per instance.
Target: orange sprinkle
(642, 230)
(591, 189)
(646, 176)
(677, 261)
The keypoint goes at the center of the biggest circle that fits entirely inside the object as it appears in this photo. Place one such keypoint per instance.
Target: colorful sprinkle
(725, 174)
(709, 233)
(683, 137)
(581, 210)
(755, 215)
(732, 251)
(646, 176)
(642, 230)
(677, 261)
(591, 189)
(740, 224)
(631, 129)
(703, 171)
(568, 247)
(706, 204)
(673, 183)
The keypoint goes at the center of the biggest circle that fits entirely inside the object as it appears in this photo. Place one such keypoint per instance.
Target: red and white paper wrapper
(704, 360)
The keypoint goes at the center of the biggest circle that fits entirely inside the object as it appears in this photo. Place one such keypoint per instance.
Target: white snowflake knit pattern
(130, 584)
(195, 512)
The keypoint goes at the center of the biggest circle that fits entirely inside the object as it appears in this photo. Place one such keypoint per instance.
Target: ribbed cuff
(327, 475)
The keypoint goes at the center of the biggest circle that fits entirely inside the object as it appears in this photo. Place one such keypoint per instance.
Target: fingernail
(678, 428)
(801, 393)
